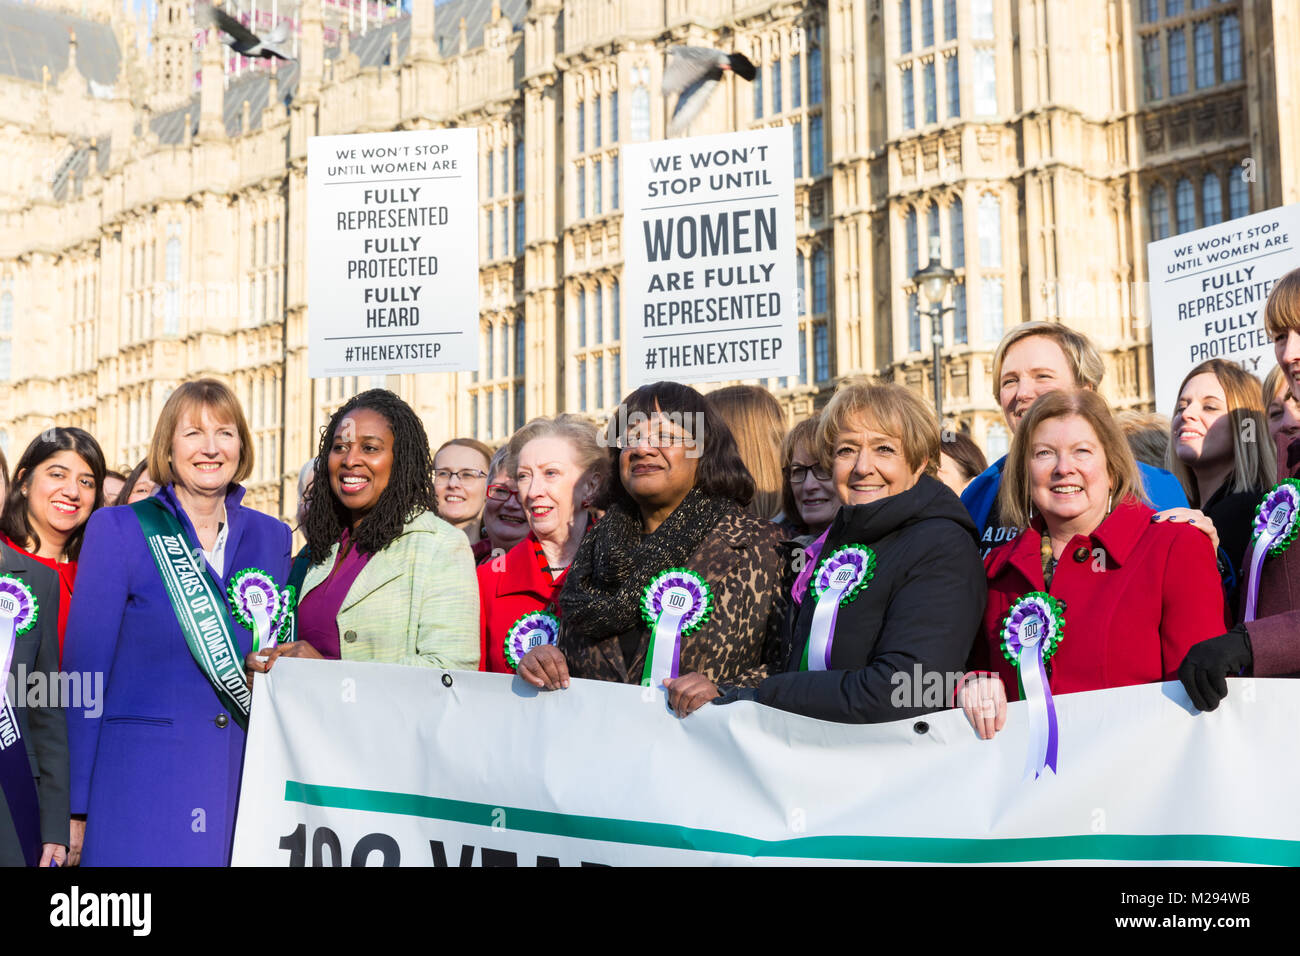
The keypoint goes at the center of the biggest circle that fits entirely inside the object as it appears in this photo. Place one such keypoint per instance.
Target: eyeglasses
(443, 475)
(501, 493)
(799, 473)
(653, 439)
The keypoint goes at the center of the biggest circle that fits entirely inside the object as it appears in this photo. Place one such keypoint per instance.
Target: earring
(1110, 500)
(586, 503)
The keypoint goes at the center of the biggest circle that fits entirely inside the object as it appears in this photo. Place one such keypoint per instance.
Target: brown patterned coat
(739, 643)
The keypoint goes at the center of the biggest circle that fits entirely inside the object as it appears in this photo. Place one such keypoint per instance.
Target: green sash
(198, 607)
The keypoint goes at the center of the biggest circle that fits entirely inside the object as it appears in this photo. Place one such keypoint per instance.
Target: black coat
(923, 607)
(43, 729)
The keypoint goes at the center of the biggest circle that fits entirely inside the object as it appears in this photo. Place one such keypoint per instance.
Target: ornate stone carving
(930, 155)
(1153, 134)
(987, 140)
(907, 161)
(1179, 124)
(1231, 113)
(1205, 122)
(952, 148)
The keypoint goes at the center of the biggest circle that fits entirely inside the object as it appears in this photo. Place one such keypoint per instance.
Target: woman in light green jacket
(388, 580)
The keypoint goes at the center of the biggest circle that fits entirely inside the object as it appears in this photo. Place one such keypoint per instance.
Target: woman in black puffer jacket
(889, 603)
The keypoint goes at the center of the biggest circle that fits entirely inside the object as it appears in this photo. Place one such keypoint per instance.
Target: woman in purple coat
(171, 592)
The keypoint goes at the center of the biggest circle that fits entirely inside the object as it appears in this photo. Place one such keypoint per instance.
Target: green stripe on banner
(1094, 846)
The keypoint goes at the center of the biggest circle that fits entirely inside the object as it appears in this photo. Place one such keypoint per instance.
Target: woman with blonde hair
(894, 587)
(758, 425)
(460, 480)
(1092, 593)
(172, 593)
(560, 471)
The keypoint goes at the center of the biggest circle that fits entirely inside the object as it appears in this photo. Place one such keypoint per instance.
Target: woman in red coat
(559, 468)
(1132, 595)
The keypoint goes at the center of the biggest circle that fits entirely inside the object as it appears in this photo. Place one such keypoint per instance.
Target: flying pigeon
(693, 72)
(243, 40)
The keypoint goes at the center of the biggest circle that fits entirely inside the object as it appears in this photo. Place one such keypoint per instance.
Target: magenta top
(318, 613)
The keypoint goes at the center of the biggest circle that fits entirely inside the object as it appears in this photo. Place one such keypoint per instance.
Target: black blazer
(43, 729)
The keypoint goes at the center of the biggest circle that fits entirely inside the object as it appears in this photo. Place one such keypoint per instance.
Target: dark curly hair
(410, 483)
(14, 521)
(720, 472)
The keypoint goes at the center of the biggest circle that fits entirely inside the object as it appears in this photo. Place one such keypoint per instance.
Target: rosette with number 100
(674, 604)
(1031, 632)
(257, 604)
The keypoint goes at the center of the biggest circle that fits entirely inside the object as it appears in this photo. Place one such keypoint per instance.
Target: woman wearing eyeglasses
(504, 522)
(460, 479)
(807, 492)
(559, 470)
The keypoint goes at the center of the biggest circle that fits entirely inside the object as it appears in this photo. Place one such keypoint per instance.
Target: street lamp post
(933, 281)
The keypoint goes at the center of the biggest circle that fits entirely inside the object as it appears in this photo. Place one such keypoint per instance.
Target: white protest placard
(1208, 289)
(710, 258)
(392, 252)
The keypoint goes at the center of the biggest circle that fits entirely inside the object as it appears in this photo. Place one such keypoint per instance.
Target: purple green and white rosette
(839, 579)
(1031, 633)
(532, 630)
(256, 603)
(1276, 526)
(17, 616)
(675, 603)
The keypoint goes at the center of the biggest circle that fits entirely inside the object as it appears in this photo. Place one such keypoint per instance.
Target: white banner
(1207, 295)
(709, 273)
(392, 252)
(370, 764)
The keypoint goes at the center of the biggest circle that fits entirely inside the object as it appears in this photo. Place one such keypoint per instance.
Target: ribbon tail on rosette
(664, 652)
(261, 629)
(817, 652)
(1042, 712)
(1257, 555)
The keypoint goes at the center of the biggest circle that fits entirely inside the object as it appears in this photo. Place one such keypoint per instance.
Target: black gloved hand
(1207, 665)
(729, 694)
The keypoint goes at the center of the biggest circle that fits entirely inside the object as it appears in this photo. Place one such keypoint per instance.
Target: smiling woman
(156, 761)
(57, 486)
(893, 589)
(1130, 595)
(388, 580)
(1216, 451)
(560, 473)
(677, 585)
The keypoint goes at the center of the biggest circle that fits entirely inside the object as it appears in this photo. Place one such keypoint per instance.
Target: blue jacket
(157, 771)
(1162, 490)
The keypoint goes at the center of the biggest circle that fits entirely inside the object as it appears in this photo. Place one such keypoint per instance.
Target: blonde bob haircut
(884, 407)
(193, 398)
(1251, 471)
(1282, 308)
(1080, 354)
(1121, 466)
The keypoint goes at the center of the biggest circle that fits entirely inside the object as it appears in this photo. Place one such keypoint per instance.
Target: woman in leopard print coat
(679, 490)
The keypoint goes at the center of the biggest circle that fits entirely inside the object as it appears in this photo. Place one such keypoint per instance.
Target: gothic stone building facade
(152, 195)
